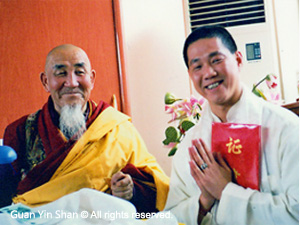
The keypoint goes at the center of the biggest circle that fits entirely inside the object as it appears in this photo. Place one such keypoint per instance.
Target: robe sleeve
(144, 195)
(132, 144)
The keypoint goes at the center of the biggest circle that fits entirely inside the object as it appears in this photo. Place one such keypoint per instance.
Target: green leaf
(172, 151)
(172, 135)
(186, 125)
(166, 142)
(256, 92)
(259, 93)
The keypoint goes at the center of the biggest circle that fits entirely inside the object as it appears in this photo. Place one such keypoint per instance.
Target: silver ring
(203, 166)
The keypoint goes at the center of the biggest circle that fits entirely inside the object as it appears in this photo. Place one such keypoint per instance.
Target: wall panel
(29, 29)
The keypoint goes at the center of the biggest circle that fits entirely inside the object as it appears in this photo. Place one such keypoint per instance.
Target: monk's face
(68, 77)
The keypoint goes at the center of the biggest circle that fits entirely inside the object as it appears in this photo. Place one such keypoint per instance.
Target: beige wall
(287, 23)
(154, 33)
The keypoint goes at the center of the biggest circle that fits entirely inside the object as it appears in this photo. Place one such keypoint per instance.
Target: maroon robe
(43, 140)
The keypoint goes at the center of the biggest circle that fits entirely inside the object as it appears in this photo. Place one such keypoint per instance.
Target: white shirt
(277, 202)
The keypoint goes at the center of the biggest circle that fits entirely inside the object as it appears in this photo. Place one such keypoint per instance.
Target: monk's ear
(93, 77)
(44, 80)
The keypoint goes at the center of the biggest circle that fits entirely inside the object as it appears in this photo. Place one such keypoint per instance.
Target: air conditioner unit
(253, 25)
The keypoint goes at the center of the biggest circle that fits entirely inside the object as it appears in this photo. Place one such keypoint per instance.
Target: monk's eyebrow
(80, 64)
(59, 66)
(62, 66)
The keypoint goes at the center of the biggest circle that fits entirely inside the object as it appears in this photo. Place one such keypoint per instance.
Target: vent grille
(226, 13)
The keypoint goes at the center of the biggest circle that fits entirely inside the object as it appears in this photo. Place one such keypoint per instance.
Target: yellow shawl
(109, 144)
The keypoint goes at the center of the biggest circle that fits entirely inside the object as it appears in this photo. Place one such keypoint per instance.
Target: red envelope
(239, 145)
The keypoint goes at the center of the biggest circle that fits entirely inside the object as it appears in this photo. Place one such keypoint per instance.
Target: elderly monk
(72, 143)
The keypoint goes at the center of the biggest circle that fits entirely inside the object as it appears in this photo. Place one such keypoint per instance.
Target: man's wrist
(203, 210)
(206, 203)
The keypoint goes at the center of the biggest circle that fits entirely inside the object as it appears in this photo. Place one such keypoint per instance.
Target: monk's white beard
(72, 121)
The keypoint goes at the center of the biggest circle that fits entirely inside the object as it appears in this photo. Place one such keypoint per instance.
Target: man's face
(215, 71)
(68, 77)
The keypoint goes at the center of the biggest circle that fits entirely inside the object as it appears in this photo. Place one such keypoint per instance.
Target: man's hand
(212, 179)
(122, 185)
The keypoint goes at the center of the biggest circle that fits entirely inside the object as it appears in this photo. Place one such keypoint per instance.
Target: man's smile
(213, 85)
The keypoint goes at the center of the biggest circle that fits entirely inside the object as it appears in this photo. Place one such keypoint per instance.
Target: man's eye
(61, 73)
(217, 60)
(198, 67)
(79, 72)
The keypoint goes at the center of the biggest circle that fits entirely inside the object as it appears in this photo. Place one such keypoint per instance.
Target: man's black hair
(209, 32)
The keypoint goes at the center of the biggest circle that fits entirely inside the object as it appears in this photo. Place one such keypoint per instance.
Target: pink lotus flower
(197, 101)
(271, 81)
(186, 112)
(273, 97)
(171, 110)
(185, 107)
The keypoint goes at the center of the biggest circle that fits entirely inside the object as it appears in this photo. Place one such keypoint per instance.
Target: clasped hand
(122, 185)
(213, 177)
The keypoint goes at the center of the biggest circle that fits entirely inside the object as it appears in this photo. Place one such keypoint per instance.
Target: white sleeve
(184, 193)
(180, 202)
(278, 205)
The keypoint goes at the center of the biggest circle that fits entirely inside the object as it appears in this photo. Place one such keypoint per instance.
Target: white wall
(264, 33)
(287, 21)
(279, 42)
(154, 33)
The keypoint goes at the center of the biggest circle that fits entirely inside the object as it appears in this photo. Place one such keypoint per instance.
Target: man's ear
(44, 80)
(239, 58)
(93, 77)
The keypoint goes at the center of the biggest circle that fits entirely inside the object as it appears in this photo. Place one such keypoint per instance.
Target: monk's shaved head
(58, 50)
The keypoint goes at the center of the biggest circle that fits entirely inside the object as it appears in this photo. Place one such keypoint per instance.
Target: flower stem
(259, 83)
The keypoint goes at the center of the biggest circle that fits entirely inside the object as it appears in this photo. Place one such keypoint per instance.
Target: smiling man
(202, 189)
(215, 72)
(73, 143)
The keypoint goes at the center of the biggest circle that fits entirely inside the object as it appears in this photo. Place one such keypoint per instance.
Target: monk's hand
(122, 185)
(211, 175)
